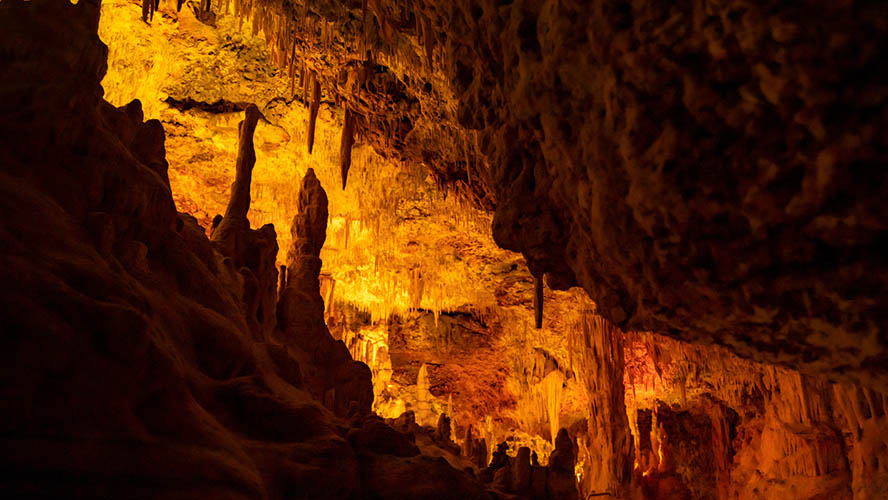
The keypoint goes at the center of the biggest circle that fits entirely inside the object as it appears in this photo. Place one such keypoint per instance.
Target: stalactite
(292, 69)
(268, 30)
(148, 8)
(254, 27)
(346, 144)
(538, 300)
(417, 23)
(313, 109)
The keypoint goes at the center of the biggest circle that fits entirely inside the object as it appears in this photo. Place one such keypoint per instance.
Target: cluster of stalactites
(285, 28)
(539, 407)
(802, 426)
(369, 345)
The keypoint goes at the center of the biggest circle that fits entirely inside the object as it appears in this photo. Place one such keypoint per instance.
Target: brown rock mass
(707, 176)
(711, 171)
(129, 335)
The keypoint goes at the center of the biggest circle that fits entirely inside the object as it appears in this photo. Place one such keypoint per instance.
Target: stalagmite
(520, 473)
(468, 449)
(538, 300)
(479, 457)
(345, 148)
(423, 397)
(443, 427)
(313, 109)
(250, 252)
(235, 218)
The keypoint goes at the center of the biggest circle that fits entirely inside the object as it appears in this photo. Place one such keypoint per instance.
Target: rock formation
(600, 359)
(724, 427)
(659, 145)
(717, 192)
(136, 369)
(313, 108)
(348, 141)
(709, 171)
(250, 252)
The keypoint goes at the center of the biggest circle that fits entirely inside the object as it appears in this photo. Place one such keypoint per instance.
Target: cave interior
(432, 249)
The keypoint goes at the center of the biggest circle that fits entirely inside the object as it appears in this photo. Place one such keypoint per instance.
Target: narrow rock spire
(345, 147)
(300, 305)
(313, 110)
(282, 276)
(239, 203)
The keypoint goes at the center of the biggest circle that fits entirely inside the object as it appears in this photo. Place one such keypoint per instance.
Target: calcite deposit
(130, 336)
(529, 249)
(659, 144)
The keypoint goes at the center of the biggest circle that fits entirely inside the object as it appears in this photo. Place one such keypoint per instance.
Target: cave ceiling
(711, 174)
(644, 240)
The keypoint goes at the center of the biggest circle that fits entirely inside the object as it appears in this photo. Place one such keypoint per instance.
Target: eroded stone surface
(707, 170)
(129, 363)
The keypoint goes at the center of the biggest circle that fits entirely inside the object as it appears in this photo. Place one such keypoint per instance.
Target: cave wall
(678, 176)
(137, 359)
(772, 432)
(709, 170)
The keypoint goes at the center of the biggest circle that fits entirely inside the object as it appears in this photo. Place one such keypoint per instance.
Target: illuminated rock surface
(197, 303)
(151, 382)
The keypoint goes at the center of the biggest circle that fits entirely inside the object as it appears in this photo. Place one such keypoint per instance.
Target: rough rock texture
(724, 427)
(251, 252)
(129, 366)
(607, 443)
(709, 170)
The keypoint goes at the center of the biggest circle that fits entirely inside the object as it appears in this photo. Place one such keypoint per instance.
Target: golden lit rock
(272, 262)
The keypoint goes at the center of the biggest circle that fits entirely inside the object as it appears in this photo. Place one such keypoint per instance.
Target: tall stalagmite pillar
(251, 252)
(235, 219)
(301, 305)
(344, 385)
